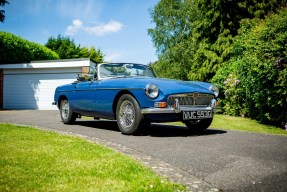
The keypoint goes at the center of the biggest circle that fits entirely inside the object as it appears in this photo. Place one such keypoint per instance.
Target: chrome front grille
(192, 99)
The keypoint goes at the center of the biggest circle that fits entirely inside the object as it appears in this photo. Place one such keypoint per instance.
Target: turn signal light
(160, 104)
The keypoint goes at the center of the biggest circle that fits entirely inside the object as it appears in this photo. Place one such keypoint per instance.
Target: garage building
(32, 85)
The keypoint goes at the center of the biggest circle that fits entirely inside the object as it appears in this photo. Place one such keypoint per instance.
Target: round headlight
(214, 89)
(151, 90)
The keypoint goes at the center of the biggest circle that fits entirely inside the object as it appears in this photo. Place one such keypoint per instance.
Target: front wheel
(198, 125)
(128, 114)
(67, 115)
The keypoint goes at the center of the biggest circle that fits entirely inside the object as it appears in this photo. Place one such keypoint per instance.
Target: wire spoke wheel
(128, 114)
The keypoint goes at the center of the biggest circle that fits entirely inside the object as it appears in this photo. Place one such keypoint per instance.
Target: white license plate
(196, 115)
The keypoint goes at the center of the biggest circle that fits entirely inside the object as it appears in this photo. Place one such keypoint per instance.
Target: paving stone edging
(162, 168)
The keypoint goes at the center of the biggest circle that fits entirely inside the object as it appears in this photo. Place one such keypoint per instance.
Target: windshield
(117, 70)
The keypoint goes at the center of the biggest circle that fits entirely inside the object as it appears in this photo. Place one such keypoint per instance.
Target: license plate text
(196, 114)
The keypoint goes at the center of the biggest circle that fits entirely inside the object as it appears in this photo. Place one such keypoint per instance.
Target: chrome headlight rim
(151, 91)
(214, 89)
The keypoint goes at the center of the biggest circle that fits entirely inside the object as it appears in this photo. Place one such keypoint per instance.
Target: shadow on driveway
(154, 130)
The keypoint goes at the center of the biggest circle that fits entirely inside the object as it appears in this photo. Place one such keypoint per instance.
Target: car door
(82, 96)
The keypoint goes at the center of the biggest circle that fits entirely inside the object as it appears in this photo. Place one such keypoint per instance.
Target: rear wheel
(67, 115)
(198, 125)
(128, 114)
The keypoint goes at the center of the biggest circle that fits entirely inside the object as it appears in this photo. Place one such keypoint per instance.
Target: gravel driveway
(215, 160)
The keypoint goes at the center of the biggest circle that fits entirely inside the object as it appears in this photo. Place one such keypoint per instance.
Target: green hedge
(14, 49)
(254, 81)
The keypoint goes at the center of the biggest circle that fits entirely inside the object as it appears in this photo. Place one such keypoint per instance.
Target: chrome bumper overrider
(178, 109)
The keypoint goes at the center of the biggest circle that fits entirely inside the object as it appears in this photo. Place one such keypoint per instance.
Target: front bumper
(173, 110)
(178, 109)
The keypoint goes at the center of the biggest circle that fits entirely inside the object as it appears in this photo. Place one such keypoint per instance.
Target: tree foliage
(243, 42)
(64, 46)
(14, 49)
(171, 36)
(196, 36)
(67, 49)
(92, 53)
(2, 12)
(254, 81)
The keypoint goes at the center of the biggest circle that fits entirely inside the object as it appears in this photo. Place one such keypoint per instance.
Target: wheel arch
(60, 99)
(118, 96)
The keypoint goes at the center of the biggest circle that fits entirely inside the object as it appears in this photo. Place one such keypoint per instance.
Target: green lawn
(36, 160)
(244, 124)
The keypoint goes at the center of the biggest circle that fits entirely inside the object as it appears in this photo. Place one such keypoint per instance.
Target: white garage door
(33, 91)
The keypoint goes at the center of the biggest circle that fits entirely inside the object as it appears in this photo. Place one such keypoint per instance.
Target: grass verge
(244, 124)
(36, 160)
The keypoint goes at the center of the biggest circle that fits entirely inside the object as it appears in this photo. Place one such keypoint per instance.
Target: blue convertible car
(133, 95)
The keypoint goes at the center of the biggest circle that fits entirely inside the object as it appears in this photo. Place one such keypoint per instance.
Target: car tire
(128, 115)
(199, 125)
(67, 115)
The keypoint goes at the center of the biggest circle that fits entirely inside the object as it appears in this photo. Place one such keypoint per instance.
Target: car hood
(167, 86)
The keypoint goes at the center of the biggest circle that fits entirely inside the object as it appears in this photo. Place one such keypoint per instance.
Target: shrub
(254, 81)
(14, 49)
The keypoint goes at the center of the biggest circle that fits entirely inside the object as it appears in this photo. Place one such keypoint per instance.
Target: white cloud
(77, 23)
(98, 29)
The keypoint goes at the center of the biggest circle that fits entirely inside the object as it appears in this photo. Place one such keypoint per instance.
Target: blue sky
(117, 27)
